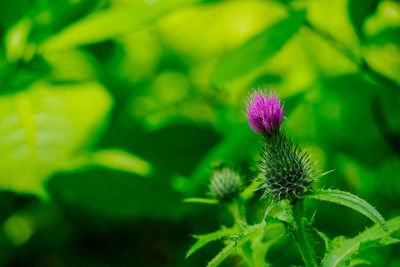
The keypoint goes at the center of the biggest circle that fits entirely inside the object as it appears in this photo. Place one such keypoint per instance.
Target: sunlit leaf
(44, 128)
(351, 201)
(342, 249)
(106, 24)
(120, 160)
(257, 50)
(359, 10)
(71, 65)
(201, 201)
(391, 35)
(16, 40)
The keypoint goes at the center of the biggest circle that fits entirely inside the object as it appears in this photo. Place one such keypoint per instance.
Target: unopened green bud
(286, 170)
(224, 184)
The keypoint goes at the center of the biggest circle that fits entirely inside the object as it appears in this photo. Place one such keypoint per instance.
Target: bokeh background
(114, 111)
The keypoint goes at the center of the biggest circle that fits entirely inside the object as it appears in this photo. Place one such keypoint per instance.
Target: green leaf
(203, 240)
(323, 237)
(16, 40)
(359, 10)
(261, 244)
(71, 65)
(201, 201)
(225, 252)
(351, 201)
(257, 50)
(45, 128)
(342, 249)
(239, 240)
(106, 24)
(391, 35)
(356, 262)
(120, 160)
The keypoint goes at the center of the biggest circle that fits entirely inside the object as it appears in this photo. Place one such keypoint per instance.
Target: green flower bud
(224, 184)
(286, 170)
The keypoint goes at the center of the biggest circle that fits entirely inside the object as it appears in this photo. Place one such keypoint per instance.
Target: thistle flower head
(224, 184)
(264, 113)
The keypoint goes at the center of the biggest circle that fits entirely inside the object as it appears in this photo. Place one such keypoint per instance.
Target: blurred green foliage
(113, 111)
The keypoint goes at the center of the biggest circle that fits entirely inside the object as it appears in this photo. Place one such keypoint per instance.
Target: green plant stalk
(236, 210)
(300, 234)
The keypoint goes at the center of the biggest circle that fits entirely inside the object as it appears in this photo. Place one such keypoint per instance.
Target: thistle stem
(301, 236)
(236, 210)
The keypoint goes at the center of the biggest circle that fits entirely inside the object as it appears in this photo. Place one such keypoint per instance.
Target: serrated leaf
(225, 252)
(260, 247)
(342, 249)
(323, 237)
(351, 201)
(203, 240)
(287, 213)
(46, 127)
(231, 246)
(257, 50)
(359, 10)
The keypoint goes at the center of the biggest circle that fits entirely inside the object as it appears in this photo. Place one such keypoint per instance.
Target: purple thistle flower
(265, 114)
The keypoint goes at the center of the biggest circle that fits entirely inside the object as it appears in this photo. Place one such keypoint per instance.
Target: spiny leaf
(323, 237)
(222, 255)
(342, 249)
(203, 240)
(260, 246)
(351, 201)
(257, 50)
(240, 240)
(287, 212)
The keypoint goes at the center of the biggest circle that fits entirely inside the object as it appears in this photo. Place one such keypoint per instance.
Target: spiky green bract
(224, 184)
(286, 170)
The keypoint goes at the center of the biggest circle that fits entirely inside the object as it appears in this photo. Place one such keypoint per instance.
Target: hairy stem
(301, 235)
(239, 218)
(236, 211)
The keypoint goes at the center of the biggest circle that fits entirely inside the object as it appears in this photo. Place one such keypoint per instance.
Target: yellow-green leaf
(46, 127)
